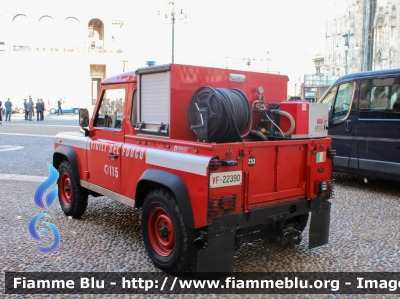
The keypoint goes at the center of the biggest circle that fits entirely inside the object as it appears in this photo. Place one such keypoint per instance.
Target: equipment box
(311, 119)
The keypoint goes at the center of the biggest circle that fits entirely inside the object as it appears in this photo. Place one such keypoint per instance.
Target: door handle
(112, 157)
(348, 125)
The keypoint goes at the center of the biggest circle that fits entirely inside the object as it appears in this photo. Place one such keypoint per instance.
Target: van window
(380, 99)
(339, 100)
(343, 101)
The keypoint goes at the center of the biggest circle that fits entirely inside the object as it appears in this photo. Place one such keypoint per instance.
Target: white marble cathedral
(362, 35)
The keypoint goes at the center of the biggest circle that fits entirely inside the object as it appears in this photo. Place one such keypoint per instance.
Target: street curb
(20, 177)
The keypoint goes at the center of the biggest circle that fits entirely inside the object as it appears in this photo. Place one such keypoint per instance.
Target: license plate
(224, 179)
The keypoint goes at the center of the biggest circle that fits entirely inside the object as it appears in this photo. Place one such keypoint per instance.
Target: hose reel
(219, 114)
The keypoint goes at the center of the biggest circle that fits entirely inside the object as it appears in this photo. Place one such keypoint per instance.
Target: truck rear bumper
(224, 232)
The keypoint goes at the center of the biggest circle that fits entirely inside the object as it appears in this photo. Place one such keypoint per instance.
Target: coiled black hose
(228, 112)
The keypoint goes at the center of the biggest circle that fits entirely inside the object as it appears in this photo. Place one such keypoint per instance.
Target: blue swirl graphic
(32, 231)
(43, 187)
(44, 232)
(38, 200)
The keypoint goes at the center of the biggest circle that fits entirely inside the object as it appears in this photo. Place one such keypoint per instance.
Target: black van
(364, 123)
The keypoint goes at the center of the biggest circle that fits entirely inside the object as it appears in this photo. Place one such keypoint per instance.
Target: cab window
(111, 109)
(134, 108)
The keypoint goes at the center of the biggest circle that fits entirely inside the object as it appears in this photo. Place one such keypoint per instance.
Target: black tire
(53, 111)
(76, 111)
(169, 243)
(73, 198)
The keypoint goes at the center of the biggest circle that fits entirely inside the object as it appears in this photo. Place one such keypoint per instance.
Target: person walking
(33, 106)
(39, 110)
(1, 112)
(8, 106)
(60, 106)
(29, 107)
(25, 111)
(43, 108)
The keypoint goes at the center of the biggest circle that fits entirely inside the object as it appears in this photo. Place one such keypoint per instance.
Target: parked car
(364, 119)
(15, 109)
(18, 110)
(67, 107)
(65, 110)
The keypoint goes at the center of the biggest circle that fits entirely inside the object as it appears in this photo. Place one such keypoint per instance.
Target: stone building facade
(362, 35)
(52, 49)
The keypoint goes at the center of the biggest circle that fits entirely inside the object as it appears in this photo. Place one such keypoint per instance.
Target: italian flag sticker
(321, 157)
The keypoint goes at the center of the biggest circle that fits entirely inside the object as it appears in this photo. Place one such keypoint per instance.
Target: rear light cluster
(331, 153)
(218, 207)
(325, 188)
(214, 163)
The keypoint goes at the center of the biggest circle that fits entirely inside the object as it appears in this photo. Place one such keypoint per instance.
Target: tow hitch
(291, 235)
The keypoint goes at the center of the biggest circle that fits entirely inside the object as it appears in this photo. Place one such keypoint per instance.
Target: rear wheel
(76, 110)
(53, 111)
(169, 243)
(20, 110)
(73, 198)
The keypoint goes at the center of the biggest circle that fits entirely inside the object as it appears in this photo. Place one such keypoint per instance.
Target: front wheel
(76, 111)
(20, 111)
(169, 243)
(53, 111)
(73, 198)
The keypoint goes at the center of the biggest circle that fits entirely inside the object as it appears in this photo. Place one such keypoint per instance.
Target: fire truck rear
(214, 158)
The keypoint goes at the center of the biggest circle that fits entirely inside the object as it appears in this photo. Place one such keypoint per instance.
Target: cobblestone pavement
(365, 226)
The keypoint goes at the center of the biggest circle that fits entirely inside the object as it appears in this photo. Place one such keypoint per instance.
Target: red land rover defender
(214, 158)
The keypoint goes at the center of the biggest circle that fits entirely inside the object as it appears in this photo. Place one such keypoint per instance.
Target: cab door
(342, 123)
(107, 138)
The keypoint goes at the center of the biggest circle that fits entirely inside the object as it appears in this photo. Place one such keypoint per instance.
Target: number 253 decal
(251, 161)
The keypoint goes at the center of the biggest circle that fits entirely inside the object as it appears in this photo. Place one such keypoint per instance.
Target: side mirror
(83, 118)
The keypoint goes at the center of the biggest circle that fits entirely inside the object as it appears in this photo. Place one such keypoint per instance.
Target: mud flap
(218, 256)
(319, 226)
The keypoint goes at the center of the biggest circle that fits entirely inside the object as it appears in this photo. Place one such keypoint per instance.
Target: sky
(280, 35)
